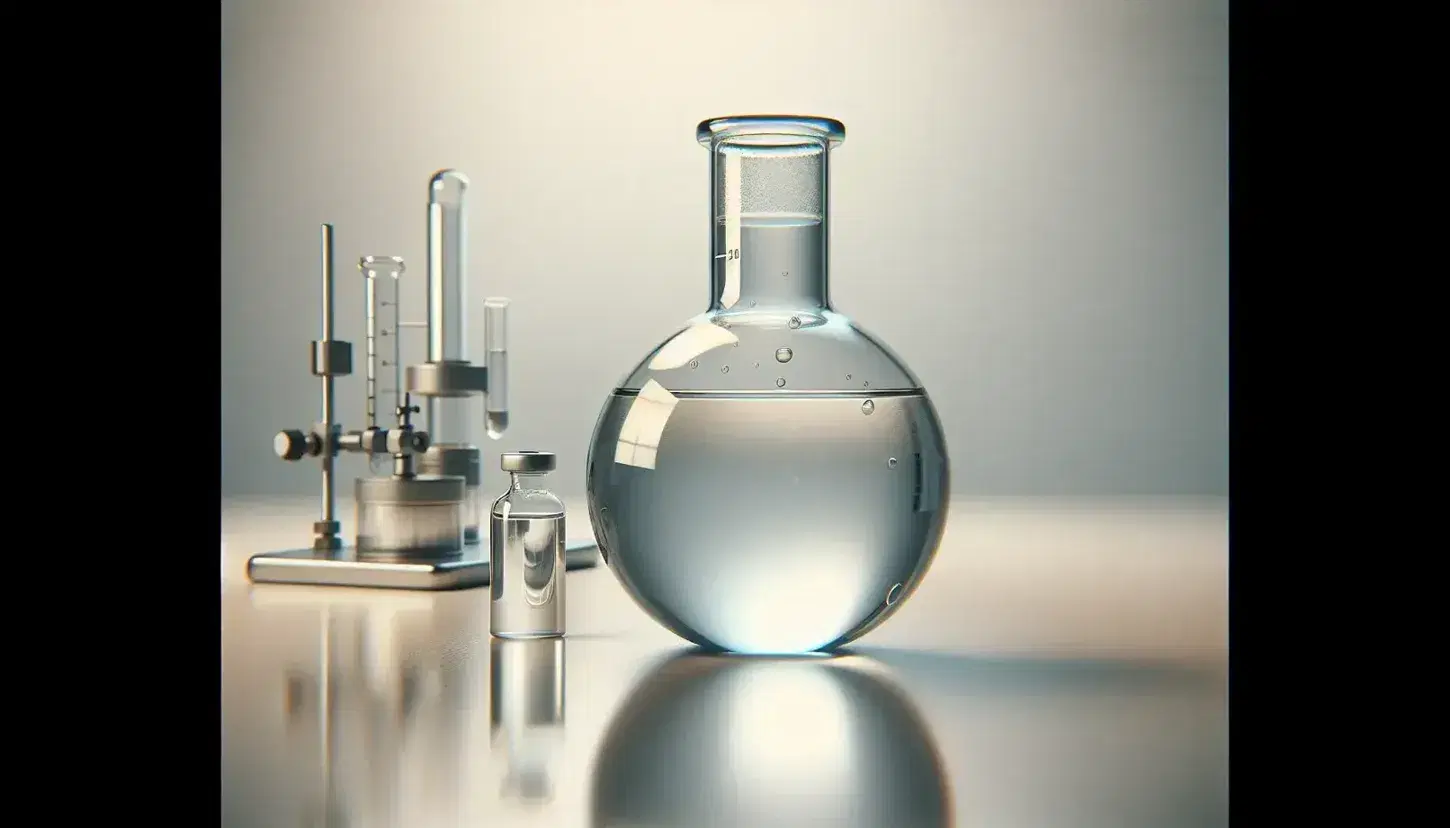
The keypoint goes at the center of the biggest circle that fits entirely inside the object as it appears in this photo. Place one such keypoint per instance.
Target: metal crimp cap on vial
(527, 462)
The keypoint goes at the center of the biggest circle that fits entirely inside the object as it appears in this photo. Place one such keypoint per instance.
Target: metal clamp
(447, 379)
(331, 358)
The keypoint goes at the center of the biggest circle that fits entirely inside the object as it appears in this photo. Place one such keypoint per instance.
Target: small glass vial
(526, 552)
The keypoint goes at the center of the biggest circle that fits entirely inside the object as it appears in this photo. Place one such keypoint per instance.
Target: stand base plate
(342, 568)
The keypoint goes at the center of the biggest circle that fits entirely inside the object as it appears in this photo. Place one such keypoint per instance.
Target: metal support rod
(329, 447)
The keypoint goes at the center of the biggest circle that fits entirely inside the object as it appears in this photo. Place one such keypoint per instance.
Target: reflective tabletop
(1064, 664)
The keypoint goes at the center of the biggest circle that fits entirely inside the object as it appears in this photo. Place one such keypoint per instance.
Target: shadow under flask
(526, 552)
(771, 478)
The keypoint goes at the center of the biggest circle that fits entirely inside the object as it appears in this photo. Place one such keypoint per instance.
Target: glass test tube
(496, 402)
(448, 420)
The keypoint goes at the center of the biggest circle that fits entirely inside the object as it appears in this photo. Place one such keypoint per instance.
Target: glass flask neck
(769, 222)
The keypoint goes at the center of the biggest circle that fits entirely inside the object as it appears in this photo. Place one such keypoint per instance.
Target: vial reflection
(374, 724)
(720, 740)
(526, 712)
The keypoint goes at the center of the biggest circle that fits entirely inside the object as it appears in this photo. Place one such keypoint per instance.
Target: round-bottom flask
(771, 478)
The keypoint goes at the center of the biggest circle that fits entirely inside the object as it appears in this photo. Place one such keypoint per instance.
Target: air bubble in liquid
(865, 383)
(848, 376)
(891, 462)
(724, 369)
(757, 365)
(783, 354)
(892, 594)
(795, 322)
(867, 407)
(694, 363)
(780, 382)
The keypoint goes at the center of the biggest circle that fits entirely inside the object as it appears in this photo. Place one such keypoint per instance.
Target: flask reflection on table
(526, 712)
(721, 740)
(754, 741)
(377, 719)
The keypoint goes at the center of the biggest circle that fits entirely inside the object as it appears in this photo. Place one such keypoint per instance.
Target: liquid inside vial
(526, 558)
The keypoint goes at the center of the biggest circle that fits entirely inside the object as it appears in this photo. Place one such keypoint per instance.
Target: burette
(384, 344)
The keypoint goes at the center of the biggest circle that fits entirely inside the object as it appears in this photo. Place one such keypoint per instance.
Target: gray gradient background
(1031, 207)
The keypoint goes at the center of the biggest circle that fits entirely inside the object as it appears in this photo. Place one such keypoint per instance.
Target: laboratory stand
(419, 512)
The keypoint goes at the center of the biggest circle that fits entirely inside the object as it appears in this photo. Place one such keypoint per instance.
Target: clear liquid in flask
(770, 524)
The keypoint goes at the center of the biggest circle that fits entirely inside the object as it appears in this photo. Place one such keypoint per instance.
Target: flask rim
(784, 129)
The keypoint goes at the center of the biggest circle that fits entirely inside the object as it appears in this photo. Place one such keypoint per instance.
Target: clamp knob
(291, 444)
(407, 441)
